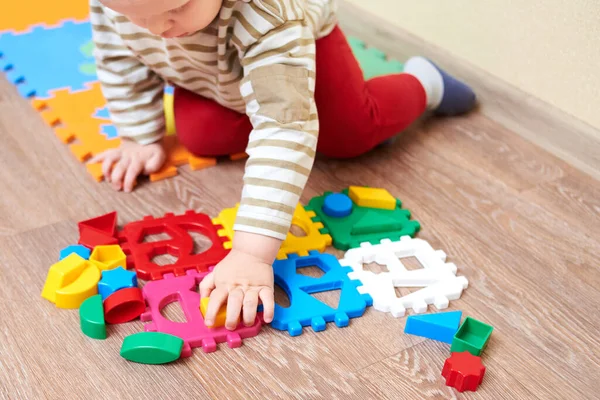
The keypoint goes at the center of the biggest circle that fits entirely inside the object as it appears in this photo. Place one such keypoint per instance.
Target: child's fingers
(100, 157)
(250, 306)
(217, 298)
(234, 307)
(118, 173)
(108, 161)
(156, 160)
(268, 300)
(207, 285)
(135, 168)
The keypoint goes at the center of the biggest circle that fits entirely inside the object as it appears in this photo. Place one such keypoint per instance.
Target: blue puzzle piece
(116, 279)
(305, 310)
(45, 59)
(78, 249)
(440, 326)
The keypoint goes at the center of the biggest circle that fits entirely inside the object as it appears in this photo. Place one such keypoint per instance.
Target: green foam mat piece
(373, 62)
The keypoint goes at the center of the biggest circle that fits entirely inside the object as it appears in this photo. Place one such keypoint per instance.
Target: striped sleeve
(133, 91)
(278, 88)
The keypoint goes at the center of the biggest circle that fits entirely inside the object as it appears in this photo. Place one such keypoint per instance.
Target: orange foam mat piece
(18, 16)
(177, 155)
(71, 116)
(70, 113)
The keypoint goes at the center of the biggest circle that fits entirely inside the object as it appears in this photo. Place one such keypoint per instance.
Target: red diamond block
(463, 371)
(180, 244)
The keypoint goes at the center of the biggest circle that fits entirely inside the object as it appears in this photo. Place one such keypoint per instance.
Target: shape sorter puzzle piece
(20, 16)
(299, 245)
(373, 62)
(438, 278)
(439, 326)
(45, 59)
(116, 279)
(463, 371)
(362, 224)
(305, 310)
(180, 244)
(71, 281)
(193, 332)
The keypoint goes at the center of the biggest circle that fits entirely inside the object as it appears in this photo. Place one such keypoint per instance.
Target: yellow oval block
(63, 273)
(86, 285)
(108, 257)
(221, 315)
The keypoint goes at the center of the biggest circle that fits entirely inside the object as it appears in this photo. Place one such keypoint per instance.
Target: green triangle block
(91, 317)
(151, 348)
(376, 222)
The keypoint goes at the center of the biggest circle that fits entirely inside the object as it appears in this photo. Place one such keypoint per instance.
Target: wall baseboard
(539, 122)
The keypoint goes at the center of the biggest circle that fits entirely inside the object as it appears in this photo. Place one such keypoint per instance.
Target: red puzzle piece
(180, 244)
(463, 371)
(98, 231)
(106, 224)
(124, 305)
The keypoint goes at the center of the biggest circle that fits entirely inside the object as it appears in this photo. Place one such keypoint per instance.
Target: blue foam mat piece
(45, 59)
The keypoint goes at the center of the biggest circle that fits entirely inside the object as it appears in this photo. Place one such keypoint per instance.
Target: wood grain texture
(520, 223)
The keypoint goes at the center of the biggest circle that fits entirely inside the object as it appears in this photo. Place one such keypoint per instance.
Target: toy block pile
(100, 276)
(46, 51)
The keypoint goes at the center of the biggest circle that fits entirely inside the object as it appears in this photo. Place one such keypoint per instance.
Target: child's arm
(278, 87)
(134, 96)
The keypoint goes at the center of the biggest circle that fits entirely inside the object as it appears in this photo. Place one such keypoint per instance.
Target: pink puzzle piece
(193, 332)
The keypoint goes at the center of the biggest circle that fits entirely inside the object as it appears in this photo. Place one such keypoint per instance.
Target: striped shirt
(258, 58)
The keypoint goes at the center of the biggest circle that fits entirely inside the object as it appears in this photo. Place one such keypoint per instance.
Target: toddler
(274, 78)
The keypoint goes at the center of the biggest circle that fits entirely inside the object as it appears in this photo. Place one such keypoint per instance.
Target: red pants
(354, 115)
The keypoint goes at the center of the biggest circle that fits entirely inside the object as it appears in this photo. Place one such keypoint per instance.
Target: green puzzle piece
(472, 336)
(91, 317)
(373, 61)
(363, 224)
(151, 348)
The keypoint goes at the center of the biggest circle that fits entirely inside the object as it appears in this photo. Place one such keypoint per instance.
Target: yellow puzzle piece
(221, 315)
(108, 257)
(372, 198)
(301, 245)
(62, 274)
(86, 285)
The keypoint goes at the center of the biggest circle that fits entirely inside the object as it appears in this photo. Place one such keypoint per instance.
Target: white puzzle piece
(438, 278)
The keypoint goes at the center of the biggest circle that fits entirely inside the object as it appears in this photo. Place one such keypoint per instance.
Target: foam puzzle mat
(46, 52)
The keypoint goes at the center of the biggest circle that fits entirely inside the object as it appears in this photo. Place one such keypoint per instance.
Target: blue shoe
(458, 98)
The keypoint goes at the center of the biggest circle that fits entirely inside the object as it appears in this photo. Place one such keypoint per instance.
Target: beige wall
(548, 48)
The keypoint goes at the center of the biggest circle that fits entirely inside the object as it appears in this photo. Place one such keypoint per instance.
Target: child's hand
(243, 278)
(122, 166)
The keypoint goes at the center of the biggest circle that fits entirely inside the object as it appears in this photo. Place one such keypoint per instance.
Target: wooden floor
(522, 225)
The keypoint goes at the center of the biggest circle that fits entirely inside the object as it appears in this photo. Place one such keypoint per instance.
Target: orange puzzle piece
(18, 16)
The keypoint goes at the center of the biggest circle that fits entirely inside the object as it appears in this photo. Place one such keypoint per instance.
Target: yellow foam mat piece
(301, 245)
(372, 198)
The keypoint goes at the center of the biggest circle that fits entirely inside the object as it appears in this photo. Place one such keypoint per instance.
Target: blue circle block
(337, 205)
(78, 249)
